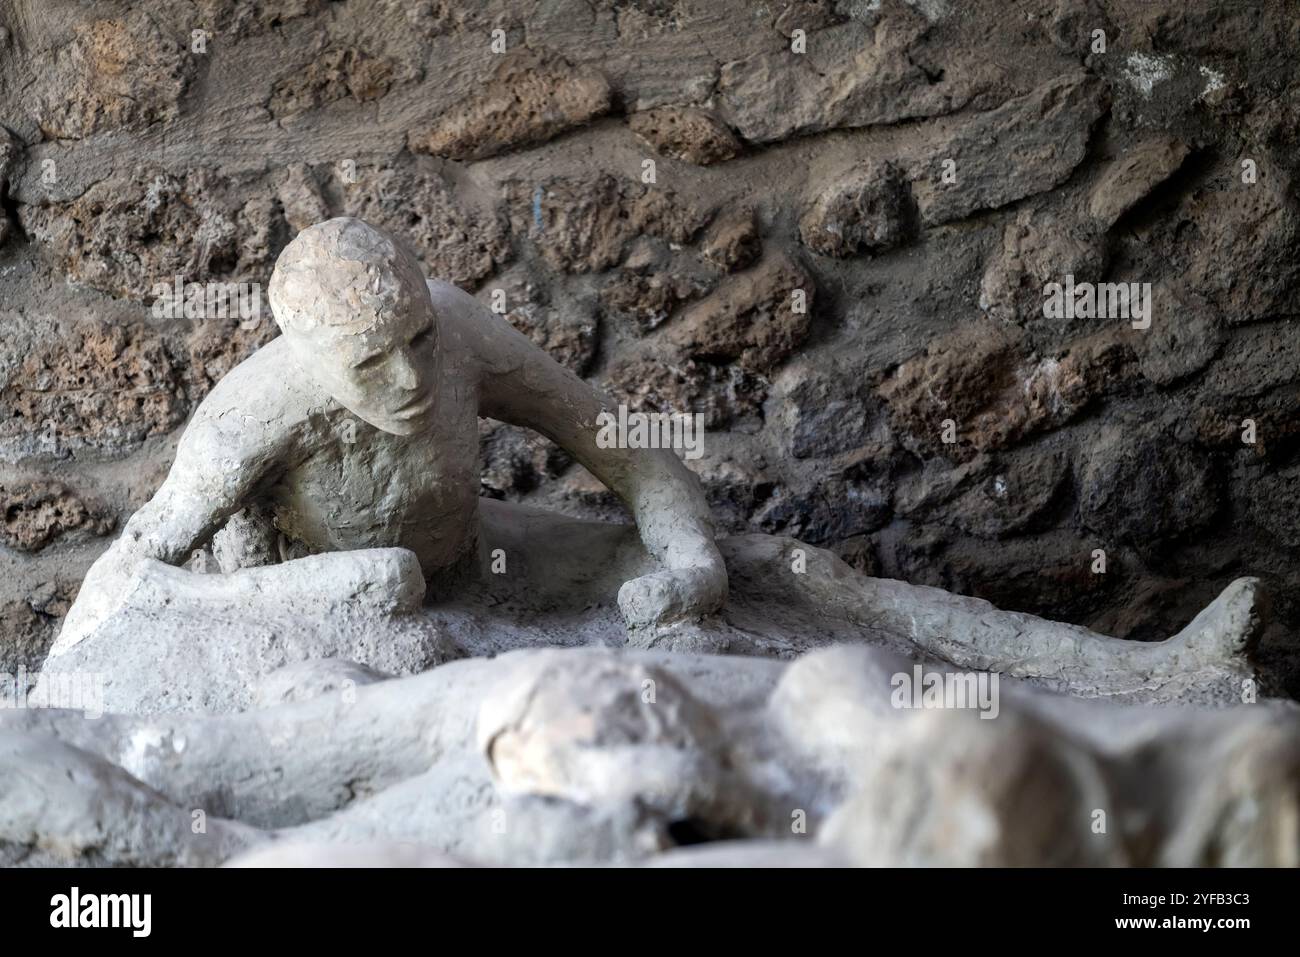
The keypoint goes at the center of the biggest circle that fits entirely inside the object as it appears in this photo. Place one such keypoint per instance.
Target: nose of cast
(405, 375)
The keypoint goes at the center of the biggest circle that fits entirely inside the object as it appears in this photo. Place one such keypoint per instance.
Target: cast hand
(673, 595)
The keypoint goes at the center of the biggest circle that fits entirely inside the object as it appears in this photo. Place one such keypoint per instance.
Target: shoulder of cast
(264, 393)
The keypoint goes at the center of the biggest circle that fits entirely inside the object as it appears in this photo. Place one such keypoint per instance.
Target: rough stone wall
(916, 170)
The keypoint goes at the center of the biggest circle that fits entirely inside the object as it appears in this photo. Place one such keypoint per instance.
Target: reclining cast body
(358, 429)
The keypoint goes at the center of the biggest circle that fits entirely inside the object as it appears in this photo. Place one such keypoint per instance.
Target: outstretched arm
(523, 385)
(221, 456)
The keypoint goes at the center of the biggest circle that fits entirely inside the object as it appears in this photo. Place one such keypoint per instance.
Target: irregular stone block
(981, 378)
(1024, 147)
(119, 74)
(835, 510)
(695, 136)
(103, 387)
(215, 346)
(1180, 493)
(988, 497)
(825, 414)
(755, 318)
(1132, 177)
(239, 18)
(646, 301)
(301, 198)
(1185, 335)
(1255, 227)
(723, 394)
(1037, 247)
(34, 514)
(567, 331)
(532, 96)
(132, 231)
(874, 80)
(459, 242)
(1014, 499)
(583, 224)
(336, 74)
(732, 240)
(864, 211)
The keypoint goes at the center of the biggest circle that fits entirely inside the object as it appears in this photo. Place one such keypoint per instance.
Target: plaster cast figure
(586, 772)
(359, 428)
(357, 431)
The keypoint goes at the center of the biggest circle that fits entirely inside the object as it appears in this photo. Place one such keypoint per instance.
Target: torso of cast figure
(359, 487)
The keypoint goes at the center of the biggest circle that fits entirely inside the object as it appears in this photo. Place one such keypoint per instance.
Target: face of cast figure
(384, 376)
(356, 312)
